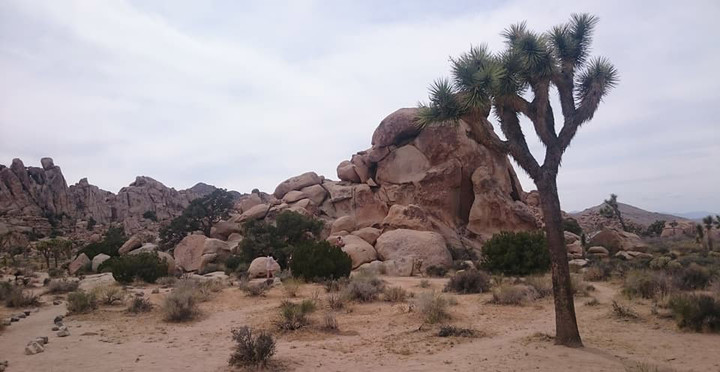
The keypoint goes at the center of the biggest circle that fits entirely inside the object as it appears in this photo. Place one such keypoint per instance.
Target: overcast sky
(246, 94)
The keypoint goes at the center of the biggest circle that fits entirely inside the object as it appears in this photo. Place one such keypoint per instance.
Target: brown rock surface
(188, 253)
(407, 246)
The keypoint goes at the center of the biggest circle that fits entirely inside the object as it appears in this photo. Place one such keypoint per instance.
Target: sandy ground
(378, 336)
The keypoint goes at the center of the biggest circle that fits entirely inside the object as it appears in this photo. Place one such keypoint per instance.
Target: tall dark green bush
(516, 253)
(320, 260)
(201, 214)
(113, 239)
(147, 267)
(570, 224)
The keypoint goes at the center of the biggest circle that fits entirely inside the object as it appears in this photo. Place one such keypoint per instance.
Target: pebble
(43, 340)
(27, 312)
(55, 329)
(22, 316)
(63, 333)
(58, 319)
(14, 319)
(34, 348)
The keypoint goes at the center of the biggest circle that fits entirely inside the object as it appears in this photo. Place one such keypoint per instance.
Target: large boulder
(80, 262)
(170, 261)
(218, 247)
(346, 172)
(617, 240)
(188, 253)
(134, 242)
(396, 127)
(359, 250)
(255, 213)
(410, 217)
(408, 246)
(258, 267)
(293, 196)
(404, 165)
(344, 223)
(297, 183)
(223, 229)
(368, 234)
(316, 193)
(98, 260)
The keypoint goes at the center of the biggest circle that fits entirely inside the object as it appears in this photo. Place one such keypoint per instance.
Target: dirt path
(377, 336)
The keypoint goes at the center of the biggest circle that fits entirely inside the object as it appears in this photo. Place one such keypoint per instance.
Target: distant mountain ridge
(590, 219)
(696, 215)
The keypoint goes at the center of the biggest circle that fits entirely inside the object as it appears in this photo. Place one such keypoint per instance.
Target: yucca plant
(484, 82)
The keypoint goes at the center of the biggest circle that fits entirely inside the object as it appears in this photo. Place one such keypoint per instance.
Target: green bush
(319, 261)
(113, 239)
(470, 281)
(81, 302)
(251, 350)
(147, 267)
(697, 312)
(233, 262)
(436, 271)
(692, 277)
(201, 214)
(516, 253)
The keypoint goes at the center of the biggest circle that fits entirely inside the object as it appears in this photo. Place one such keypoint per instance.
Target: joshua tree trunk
(566, 330)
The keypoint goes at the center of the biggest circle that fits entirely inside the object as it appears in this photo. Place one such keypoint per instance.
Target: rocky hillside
(591, 220)
(38, 199)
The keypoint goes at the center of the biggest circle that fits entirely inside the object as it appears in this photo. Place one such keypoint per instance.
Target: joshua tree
(54, 248)
(484, 82)
(673, 224)
(612, 210)
(700, 235)
(708, 222)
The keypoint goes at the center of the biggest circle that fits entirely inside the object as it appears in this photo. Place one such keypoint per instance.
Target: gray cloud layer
(245, 95)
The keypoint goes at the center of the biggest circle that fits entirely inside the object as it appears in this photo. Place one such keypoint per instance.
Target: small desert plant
(330, 323)
(516, 253)
(596, 274)
(696, 312)
(81, 302)
(139, 305)
(201, 290)
(623, 312)
(364, 288)
(645, 367)
(15, 296)
(335, 285)
(62, 286)
(335, 301)
(251, 350)
(514, 294)
(395, 294)
(424, 283)
(452, 331)
(181, 305)
(291, 286)
(293, 315)
(541, 284)
(109, 295)
(166, 281)
(470, 281)
(433, 306)
(645, 284)
(436, 271)
(254, 290)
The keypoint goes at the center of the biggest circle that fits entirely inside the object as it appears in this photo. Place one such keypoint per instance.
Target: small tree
(201, 214)
(484, 82)
(708, 222)
(611, 209)
(53, 248)
(656, 228)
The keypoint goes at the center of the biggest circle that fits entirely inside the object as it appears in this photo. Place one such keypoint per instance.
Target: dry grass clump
(541, 284)
(167, 281)
(330, 323)
(646, 284)
(514, 294)
(452, 331)
(180, 305)
(645, 367)
(365, 287)
(291, 286)
(469, 281)
(81, 302)
(15, 296)
(424, 283)
(59, 286)
(336, 301)
(139, 305)
(623, 312)
(395, 294)
(254, 290)
(697, 312)
(109, 294)
(592, 302)
(433, 306)
(579, 287)
(294, 315)
(251, 350)
(335, 285)
(596, 274)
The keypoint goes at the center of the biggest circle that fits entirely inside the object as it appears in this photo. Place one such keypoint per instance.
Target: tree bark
(566, 329)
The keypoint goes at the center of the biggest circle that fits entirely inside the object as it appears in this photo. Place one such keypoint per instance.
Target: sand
(377, 336)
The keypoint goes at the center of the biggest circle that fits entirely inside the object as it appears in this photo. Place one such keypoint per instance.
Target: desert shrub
(201, 290)
(56, 272)
(692, 277)
(645, 284)
(254, 290)
(395, 294)
(150, 215)
(659, 263)
(319, 261)
(452, 331)
(233, 262)
(81, 302)
(293, 315)
(335, 301)
(364, 288)
(109, 295)
(469, 281)
(570, 224)
(516, 253)
(291, 286)
(579, 287)
(113, 239)
(180, 305)
(433, 307)
(166, 281)
(541, 284)
(330, 323)
(436, 271)
(623, 312)
(251, 350)
(335, 285)
(424, 283)
(62, 286)
(139, 305)
(147, 267)
(514, 294)
(15, 296)
(696, 312)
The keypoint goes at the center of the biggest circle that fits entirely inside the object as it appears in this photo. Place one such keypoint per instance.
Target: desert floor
(378, 336)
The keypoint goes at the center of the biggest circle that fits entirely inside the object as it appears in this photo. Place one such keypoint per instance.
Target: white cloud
(244, 96)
